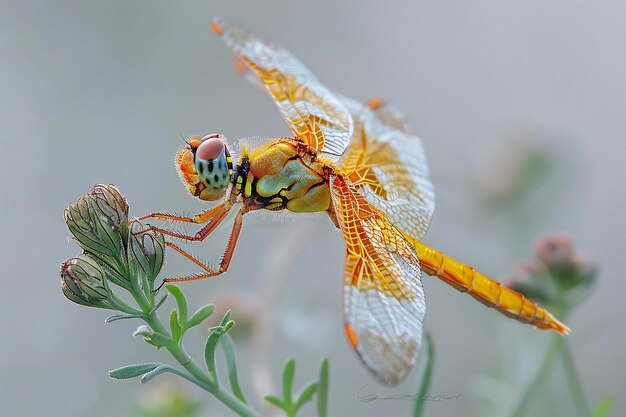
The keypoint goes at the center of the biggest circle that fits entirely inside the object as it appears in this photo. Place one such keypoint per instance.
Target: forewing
(312, 111)
(384, 304)
(387, 162)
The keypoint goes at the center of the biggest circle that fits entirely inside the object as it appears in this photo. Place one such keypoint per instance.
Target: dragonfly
(363, 167)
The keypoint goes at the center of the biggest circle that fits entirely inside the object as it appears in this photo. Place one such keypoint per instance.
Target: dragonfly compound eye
(214, 166)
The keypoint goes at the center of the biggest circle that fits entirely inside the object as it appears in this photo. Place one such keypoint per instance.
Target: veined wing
(310, 109)
(384, 304)
(388, 164)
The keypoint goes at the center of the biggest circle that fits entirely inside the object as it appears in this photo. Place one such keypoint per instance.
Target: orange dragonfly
(362, 166)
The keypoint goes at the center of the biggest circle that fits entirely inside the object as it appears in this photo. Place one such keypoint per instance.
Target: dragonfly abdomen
(489, 292)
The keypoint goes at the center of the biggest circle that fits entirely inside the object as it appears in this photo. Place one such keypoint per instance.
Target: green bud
(99, 223)
(147, 252)
(112, 203)
(83, 282)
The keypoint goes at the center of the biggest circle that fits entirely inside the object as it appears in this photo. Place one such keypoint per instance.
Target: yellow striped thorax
(283, 174)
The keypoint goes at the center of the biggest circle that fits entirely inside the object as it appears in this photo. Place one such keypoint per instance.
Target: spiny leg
(218, 213)
(225, 262)
(198, 218)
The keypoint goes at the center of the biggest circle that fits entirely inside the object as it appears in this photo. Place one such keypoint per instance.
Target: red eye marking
(210, 149)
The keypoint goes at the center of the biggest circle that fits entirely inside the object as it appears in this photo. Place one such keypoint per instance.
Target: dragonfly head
(205, 166)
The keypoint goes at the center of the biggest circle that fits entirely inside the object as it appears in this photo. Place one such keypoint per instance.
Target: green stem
(140, 297)
(418, 411)
(197, 375)
(542, 373)
(573, 380)
(121, 305)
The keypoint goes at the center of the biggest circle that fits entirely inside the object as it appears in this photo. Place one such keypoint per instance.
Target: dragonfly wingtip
(216, 25)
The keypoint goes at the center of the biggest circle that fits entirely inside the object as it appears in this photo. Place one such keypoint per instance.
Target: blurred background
(520, 106)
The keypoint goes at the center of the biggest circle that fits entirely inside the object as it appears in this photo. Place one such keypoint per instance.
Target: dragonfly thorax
(283, 174)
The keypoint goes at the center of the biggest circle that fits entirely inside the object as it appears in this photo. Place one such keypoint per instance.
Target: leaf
(177, 331)
(225, 319)
(306, 395)
(604, 407)
(199, 316)
(322, 390)
(180, 301)
(209, 350)
(286, 403)
(229, 353)
(229, 325)
(149, 376)
(426, 377)
(132, 371)
(288, 372)
(158, 340)
(213, 340)
(161, 301)
(124, 316)
(275, 400)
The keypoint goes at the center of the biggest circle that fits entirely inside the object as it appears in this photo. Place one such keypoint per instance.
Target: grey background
(101, 92)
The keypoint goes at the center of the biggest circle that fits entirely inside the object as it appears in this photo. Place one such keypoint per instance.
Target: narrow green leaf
(229, 325)
(158, 340)
(149, 376)
(116, 317)
(180, 300)
(199, 316)
(177, 331)
(322, 390)
(288, 372)
(209, 350)
(213, 340)
(161, 301)
(229, 353)
(604, 407)
(275, 401)
(306, 395)
(132, 371)
(225, 319)
(426, 377)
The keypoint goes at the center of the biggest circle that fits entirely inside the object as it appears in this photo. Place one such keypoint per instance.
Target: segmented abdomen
(491, 293)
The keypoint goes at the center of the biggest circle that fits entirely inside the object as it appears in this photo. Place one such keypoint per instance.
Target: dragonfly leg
(217, 215)
(228, 254)
(198, 218)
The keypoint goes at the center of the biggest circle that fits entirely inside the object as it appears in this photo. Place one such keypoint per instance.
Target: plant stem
(418, 411)
(200, 377)
(120, 305)
(575, 386)
(542, 373)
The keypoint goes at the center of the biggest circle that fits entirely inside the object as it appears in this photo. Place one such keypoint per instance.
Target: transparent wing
(387, 162)
(384, 304)
(311, 110)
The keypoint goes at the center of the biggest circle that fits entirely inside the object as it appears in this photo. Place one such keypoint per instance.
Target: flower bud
(556, 252)
(147, 252)
(559, 278)
(112, 203)
(99, 223)
(83, 282)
